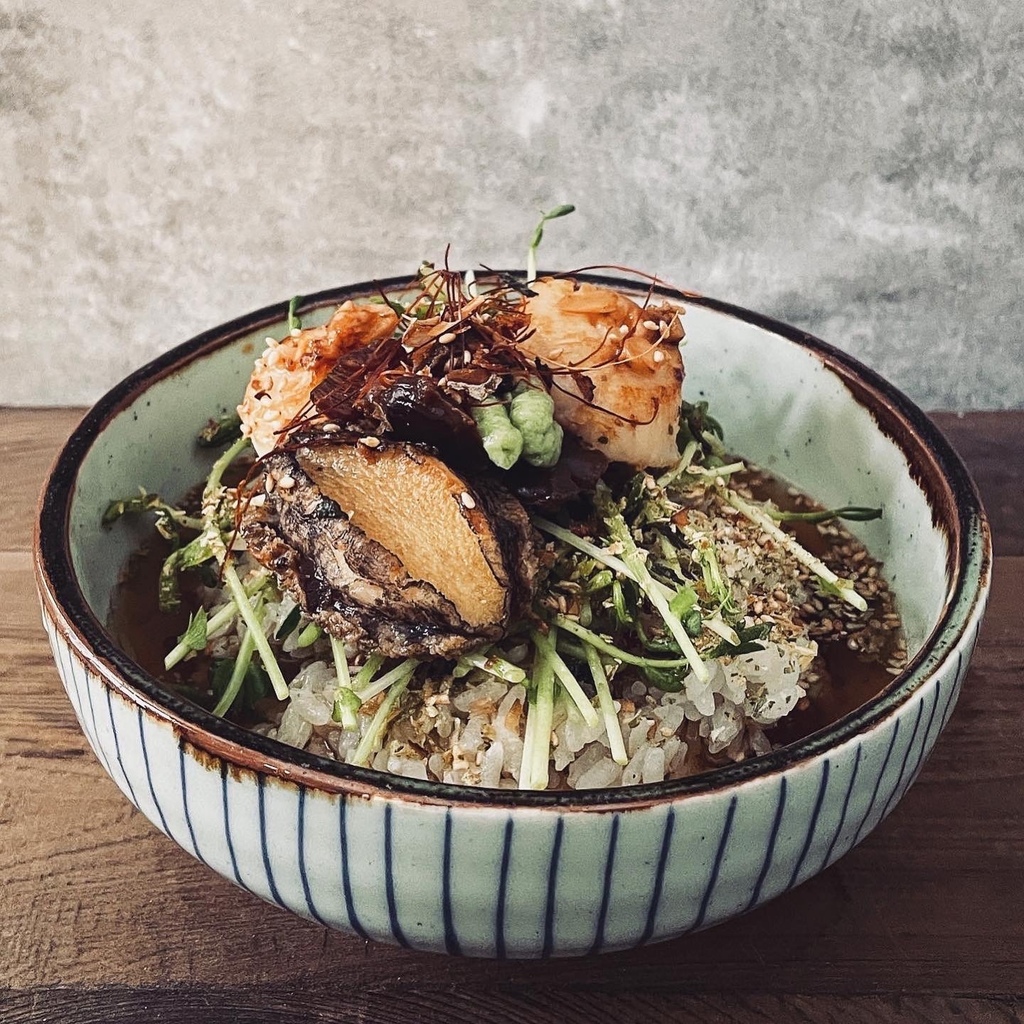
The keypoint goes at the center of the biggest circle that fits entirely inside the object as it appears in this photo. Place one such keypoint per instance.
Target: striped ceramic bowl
(510, 874)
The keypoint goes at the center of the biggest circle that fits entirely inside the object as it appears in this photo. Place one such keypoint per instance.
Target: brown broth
(848, 679)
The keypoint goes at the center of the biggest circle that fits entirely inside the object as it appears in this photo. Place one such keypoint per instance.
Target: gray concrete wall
(851, 167)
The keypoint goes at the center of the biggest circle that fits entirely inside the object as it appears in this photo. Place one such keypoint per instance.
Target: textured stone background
(851, 167)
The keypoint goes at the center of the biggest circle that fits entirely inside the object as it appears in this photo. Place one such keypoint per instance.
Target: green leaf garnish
(749, 642)
(194, 637)
(294, 322)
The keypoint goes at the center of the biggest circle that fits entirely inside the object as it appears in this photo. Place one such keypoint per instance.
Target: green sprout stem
(367, 671)
(262, 644)
(242, 662)
(721, 628)
(681, 466)
(340, 663)
(584, 545)
(309, 635)
(638, 567)
(843, 587)
(401, 673)
(221, 618)
(374, 731)
(538, 235)
(634, 567)
(213, 481)
(716, 471)
(346, 708)
(533, 774)
(493, 665)
(607, 706)
(564, 675)
(598, 642)
(529, 741)
(346, 701)
(854, 513)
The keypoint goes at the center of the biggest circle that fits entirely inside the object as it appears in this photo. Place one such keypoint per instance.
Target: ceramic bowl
(510, 874)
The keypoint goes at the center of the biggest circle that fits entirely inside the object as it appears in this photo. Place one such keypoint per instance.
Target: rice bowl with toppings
(513, 872)
(485, 541)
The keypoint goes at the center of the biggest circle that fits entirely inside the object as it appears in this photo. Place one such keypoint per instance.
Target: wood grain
(103, 919)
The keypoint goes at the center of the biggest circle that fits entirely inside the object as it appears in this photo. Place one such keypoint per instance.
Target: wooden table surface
(103, 919)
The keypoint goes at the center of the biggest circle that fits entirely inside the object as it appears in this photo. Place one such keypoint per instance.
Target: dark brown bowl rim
(950, 490)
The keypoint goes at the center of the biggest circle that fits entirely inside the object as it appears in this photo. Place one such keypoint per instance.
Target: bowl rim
(938, 470)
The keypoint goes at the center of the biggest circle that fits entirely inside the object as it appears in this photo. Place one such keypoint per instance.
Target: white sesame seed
(257, 500)
(467, 499)
(658, 356)
(370, 442)
(650, 325)
(331, 428)
(447, 338)
(285, 482)
(268, 484)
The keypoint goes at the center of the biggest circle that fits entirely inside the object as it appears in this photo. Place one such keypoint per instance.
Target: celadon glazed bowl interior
(502, 873)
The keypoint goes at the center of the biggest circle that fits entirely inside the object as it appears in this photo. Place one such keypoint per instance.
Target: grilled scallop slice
(287, 372)
(387, 547)
(627, 356)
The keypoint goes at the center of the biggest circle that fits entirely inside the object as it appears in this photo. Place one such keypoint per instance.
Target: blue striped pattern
(346, 876)
(927, 740)
(499, 920)
(149, 776)
(659, 875)
(955, 689)
(549, 908)
(229, 842)
(716, 867)
(813, 827)
(137, 751)
(906, 759)
(878, 782)
(451, 940)
(389, 878)
(261, 800)
(301, 853)
(769, 853)
(846, 807)
(94, 739)
(117, 750)
(184, 802)
(606, 887)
